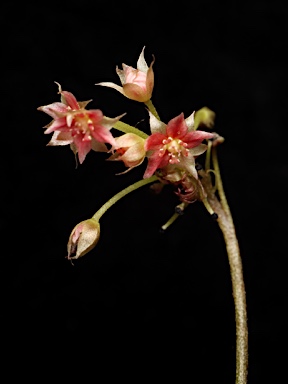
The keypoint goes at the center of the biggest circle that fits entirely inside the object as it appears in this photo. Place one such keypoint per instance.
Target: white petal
(190, 122)
(112, 85)
(196, 151)
(141, 63)
(156, 125)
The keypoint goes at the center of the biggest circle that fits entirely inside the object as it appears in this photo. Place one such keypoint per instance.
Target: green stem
(121, 194)
(126, 128)
(219, 184)
(208, 156)
(170, 221)
(151, 108)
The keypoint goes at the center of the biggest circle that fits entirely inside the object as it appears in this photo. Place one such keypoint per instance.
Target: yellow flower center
(175, 148)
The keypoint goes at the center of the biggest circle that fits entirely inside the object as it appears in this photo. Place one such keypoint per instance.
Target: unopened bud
(83, 238)
(204, 116)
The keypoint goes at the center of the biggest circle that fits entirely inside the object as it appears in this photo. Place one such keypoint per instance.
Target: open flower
(174, 143)
(137, 84)
(83, 238)
(81, 128)
(129, 148)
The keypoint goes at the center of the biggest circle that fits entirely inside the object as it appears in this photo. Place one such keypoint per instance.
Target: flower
(175, 143)
(130, 149)
(83, 238)
(137, 84)
(81, 128)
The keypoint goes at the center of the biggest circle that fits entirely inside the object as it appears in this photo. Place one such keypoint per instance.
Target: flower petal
(103, 135)
(141, 63)
(194, 138)
(57, 125)
(69, 99)
(83, 147)
(112, 85)
(60, 138)
(155, 141)
(188, 163)
(135, 92)
(156, 125)
(97, 146)
(196, 151)
(154, 162)
(190, 121)
(177, 128)
(55, 110)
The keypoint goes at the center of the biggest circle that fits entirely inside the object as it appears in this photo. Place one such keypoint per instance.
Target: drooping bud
(204, 116)
(83, 238)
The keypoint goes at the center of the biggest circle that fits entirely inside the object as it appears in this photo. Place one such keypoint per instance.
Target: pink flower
(175, 143)
(137, 84)
(129, 148)
(81, 128)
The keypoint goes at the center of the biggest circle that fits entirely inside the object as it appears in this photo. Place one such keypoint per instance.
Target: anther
(214, 216)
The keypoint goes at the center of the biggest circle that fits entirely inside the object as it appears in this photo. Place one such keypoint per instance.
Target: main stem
(225, 222)
(227, 227)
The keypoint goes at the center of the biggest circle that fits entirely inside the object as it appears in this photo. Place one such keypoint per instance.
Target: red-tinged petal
(154, 162)
(134, 92)
(177, 128)
(194, 138)
(69, 99)
(95, 115)
(150, 81)
(57, 125)
(155, 141)
(83, 147)
(103, 135)
(60, 138)
(55, 110)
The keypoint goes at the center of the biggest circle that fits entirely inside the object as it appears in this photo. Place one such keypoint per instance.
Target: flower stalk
(121, 194)
(225, 222)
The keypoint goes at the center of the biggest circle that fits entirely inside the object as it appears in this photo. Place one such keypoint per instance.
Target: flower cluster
(169, 150)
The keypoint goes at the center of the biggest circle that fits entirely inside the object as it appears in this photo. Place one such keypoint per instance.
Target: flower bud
(83, 238)
(204, 116)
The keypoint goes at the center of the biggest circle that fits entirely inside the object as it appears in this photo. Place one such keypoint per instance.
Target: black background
(141, 298)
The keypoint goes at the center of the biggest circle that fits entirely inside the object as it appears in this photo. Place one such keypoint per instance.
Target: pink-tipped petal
(56, 125)
(177, 127)
(70, 100)
(194, 138)
(55, 110)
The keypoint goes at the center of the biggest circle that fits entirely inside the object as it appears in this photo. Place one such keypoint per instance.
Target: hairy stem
(227, 227)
